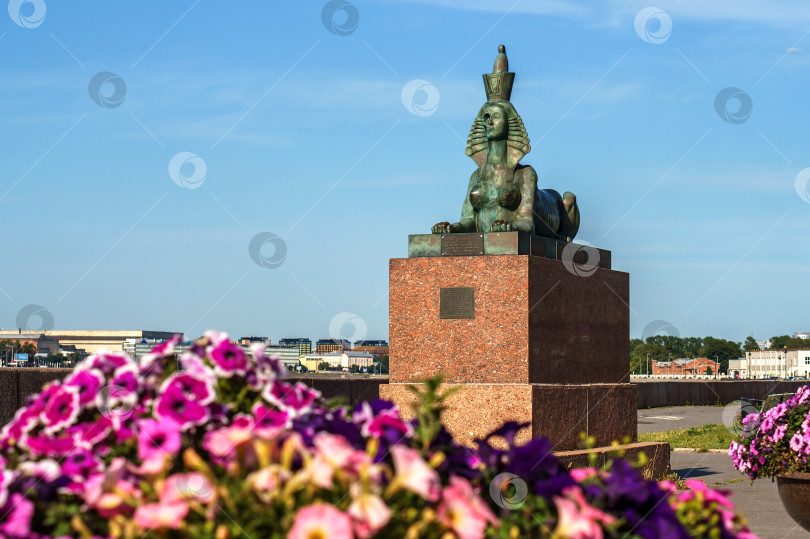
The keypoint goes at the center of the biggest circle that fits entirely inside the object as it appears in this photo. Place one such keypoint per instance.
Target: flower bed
(776, 441)
(226, 448)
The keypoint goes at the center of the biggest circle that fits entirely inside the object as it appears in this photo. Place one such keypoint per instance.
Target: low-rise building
(326, 346)
(685, 367)
(339, 360)
(738, 368)
(783, 363)
(304, 345)
(93, 341)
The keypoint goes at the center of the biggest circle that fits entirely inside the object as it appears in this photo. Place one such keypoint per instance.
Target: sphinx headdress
(498, 86)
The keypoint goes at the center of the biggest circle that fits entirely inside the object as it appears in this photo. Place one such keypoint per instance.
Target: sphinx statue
(502, 194)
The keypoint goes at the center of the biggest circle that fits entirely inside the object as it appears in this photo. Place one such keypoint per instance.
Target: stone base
(524, 320)
(657, 454)
(559, 412)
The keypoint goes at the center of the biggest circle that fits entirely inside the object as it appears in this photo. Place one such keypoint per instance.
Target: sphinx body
(502, 194)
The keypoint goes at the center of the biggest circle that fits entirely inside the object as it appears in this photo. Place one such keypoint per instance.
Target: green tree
(382, 362)
(638, 356)
(722, 349)
(750, 344)
(709, 371)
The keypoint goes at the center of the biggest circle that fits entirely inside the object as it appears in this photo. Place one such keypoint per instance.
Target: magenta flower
(62, 410)
(193, 388)
(321, 520)
(160, 351)
(6, 477)
(88, 382)
(18, 522)
(106, 362)
(296, 399)
(269, 423)
(157, 439)
(577, 519)
(173, 404)
(80, 464)
(228, 358)
(48, 446)
(88, 435)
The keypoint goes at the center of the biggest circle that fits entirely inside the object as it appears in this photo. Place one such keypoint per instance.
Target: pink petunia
(160, 516)
(369, 515)
(186, 487)
(223, 441)
(414, 474)
(17, 523)
(463, 511)
(323, 521)
(577, 519)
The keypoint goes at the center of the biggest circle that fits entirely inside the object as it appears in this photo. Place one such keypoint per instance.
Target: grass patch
(704, 437)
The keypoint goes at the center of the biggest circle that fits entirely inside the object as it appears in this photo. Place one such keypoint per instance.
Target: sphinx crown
(498, 84)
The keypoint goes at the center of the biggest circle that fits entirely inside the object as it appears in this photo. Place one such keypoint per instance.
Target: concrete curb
(696, 450)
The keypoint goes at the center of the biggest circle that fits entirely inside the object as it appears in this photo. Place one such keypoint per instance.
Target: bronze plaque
(457, 302)
(462, 244)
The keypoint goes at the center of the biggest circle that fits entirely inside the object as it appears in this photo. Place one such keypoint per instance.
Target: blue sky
(304, 134)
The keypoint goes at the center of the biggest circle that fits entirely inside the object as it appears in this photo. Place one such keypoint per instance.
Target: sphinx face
(496, 124)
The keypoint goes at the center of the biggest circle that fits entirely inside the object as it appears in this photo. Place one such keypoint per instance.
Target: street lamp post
(648, 365)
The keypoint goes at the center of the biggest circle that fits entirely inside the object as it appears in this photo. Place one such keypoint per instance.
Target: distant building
(684, 367)
(764, 345)
(780, 363)
(342, 360)
(378, 347)
(304, 345)
(288, 354)
(326, 346)
(93, 341)
(738, 368)
(254, 339)
(801, 335)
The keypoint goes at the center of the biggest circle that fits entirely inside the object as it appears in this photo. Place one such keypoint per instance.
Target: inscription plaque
(457, 302)
(463, 245)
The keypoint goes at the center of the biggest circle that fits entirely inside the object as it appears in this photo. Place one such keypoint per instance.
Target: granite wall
(17, 384)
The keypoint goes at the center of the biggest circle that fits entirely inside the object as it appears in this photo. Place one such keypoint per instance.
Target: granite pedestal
(531, 333)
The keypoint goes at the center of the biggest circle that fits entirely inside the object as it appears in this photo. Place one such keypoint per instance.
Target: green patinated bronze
(502, 194)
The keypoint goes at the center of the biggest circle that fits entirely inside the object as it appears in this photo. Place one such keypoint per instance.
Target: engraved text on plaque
(462, 245)
(457, 302)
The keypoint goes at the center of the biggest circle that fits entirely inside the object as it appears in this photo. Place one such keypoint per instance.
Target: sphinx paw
(442, 228)
(501, 226)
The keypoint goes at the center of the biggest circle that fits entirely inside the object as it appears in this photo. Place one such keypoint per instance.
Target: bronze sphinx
(502, 194)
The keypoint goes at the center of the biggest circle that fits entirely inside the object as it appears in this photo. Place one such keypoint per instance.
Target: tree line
(668, 347)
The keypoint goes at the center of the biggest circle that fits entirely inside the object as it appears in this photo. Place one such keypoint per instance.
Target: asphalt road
(759, 501)
(680, 417)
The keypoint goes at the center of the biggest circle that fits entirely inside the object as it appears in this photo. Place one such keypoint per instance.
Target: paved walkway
(758, 501)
